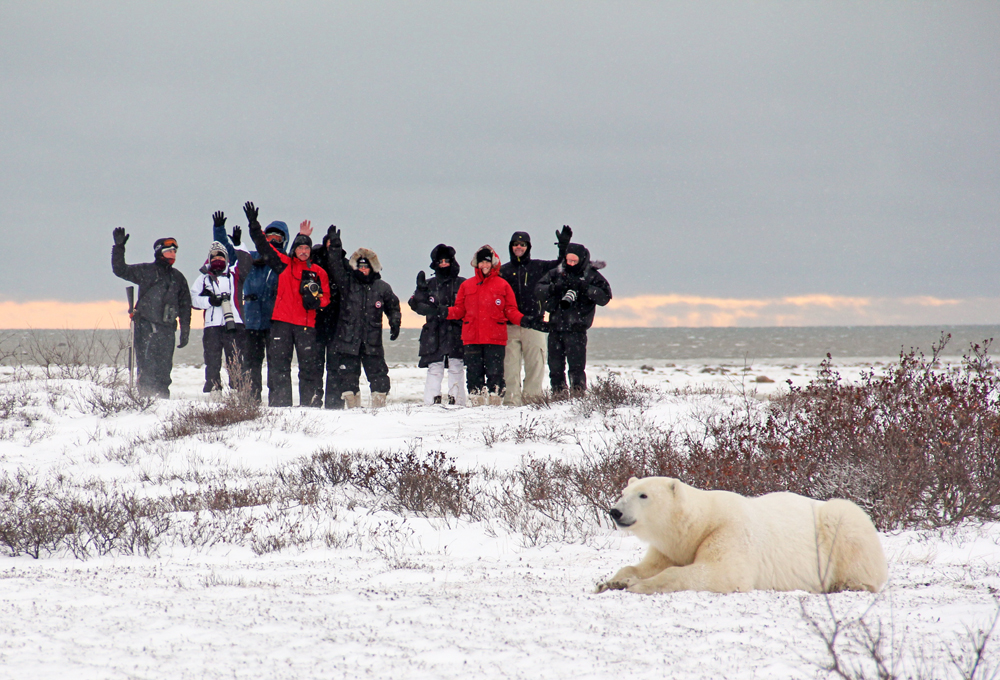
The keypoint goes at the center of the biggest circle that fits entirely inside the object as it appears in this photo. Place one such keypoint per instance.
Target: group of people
(328, 309)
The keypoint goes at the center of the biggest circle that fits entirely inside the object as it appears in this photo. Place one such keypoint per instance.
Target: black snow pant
(154, 357)
(349, 372)
(567, 347)
(215, 340)
(484, 368)
(255, 344)
(334, 391)
(284, 338)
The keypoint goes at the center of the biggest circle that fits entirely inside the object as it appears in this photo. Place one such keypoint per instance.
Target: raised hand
(237, 235)
(251, 212)
(218, 219)
(119, 236)
(422, 280)
(334, 235)
(564, 235)
(305, 227)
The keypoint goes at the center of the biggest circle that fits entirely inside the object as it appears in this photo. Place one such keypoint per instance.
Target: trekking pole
(130, 294)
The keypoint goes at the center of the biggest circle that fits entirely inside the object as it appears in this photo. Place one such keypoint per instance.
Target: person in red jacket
(303, 288)
(485, 303)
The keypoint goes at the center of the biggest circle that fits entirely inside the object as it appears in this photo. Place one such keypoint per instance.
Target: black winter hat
(582, 253)
(300, 240)
(163, 243)
(484, 255)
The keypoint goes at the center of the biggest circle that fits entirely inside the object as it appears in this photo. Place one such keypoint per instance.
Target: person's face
(444, 263)
(303, 252)
(485, 266)
(519, 249)
(218, 262)
(169, 254)
(572, 260)
(364, 269)
(275, 238)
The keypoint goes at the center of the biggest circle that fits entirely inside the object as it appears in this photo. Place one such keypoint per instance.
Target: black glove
(213, 299)
(120, 236)
(559, 285)
(237, 235)
(534, 323)
(563, 236)
(393, 332)
(185, 334)
(422, 280)
(441, 312)
(568, 298)
(218, 219)
(251, 211)
(334, 235)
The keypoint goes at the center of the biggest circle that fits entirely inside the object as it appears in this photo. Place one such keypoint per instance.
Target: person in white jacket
(215, 292)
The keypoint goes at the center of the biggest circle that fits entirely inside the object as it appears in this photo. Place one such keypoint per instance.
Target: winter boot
(437, 399)
(451, 400)
(378, 399)
(351, 400)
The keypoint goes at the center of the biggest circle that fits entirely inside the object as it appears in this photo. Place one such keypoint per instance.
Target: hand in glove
(237, 235)
(120, 236)
(185, 334)
(251, 211)
(218, 219)
(213, 299)
(563, 236)
(534, 323)
(394, 332)
(422, 280)
(333, 234)
(442, 312)
(567, 300)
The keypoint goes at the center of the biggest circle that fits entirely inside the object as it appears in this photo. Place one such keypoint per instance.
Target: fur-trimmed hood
(585, 262)
(496, 258)
(368, 255)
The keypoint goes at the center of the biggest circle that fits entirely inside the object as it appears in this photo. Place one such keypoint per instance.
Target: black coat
(326, 317)
(438, 337)
(164, 296)
(362, 304)
(591, 289)
(523, 275)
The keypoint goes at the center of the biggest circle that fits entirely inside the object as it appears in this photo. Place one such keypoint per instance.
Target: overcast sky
(735, 149)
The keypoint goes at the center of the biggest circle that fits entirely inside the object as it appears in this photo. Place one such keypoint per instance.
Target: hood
(443, 252)
(283, 228)
(585, 261)
(368, 255)
(519, 236)
(496, 262)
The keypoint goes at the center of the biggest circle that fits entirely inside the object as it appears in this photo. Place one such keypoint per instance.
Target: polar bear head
(658, 510)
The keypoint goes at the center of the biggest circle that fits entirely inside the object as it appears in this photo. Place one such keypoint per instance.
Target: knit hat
(217, 247)
(300, 240)
(484, 255)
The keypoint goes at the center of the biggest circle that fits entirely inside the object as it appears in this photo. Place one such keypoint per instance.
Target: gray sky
(731, 149)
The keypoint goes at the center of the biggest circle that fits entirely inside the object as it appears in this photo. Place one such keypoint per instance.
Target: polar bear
(723, 542)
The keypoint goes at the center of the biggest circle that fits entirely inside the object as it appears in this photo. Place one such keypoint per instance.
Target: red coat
(485, 305)
(288, 306)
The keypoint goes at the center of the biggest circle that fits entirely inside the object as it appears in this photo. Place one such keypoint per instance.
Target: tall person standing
(164, 299)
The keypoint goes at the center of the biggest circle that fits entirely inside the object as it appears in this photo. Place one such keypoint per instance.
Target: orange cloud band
(638, 311)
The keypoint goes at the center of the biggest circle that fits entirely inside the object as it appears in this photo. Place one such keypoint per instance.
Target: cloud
(648, 311)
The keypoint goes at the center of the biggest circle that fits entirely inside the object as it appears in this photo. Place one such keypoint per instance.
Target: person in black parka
(440, 339)
(163, 299)
(527, 346)
(326, 331)
(364, 298)
(570, 293)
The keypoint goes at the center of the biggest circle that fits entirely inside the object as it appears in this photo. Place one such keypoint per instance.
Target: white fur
(723, 542)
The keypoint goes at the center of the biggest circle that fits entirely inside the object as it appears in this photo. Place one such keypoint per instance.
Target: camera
(568, 299)
(227, 312)
(310, 290)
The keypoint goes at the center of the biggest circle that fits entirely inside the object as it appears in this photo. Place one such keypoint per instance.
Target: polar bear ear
(632, 480)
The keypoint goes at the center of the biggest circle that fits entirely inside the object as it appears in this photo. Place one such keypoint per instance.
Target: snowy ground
(389, 595)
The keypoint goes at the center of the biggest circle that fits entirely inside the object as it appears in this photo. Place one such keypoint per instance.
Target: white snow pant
(456, 381)
(530, 348)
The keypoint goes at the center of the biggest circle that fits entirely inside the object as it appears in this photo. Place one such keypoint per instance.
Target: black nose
(615, 513)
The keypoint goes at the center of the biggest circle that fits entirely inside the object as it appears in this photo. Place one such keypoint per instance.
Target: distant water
(605, 344)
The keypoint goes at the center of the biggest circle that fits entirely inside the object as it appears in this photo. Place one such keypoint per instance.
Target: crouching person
(485, 304)
(303, 288)
(440, 339)
(163, 299)
(570, 293)
(364, 298)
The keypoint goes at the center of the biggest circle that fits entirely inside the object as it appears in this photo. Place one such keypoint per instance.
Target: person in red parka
(485, 303)
(303, 287)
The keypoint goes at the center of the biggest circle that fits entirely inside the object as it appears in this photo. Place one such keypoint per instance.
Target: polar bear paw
(611, 585)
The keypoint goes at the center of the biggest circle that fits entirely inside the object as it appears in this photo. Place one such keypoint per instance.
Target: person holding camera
(357, 342)
(326, 331)
(216, 292)
(303, 288)
(256, 293)
(486, 304)
(163, 299)
(526, 346)
(440, 339)
(570, 293)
